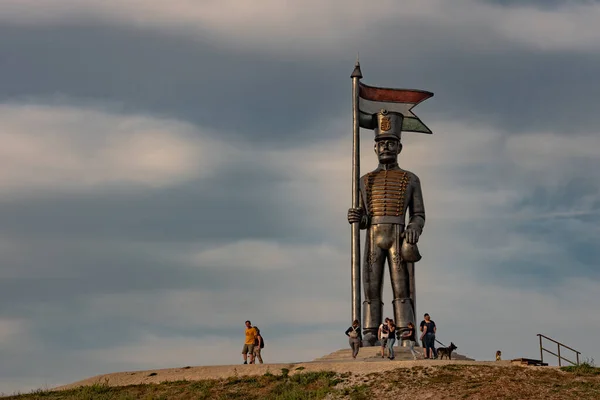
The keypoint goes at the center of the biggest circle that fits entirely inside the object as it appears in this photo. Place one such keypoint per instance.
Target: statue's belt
(388, 219)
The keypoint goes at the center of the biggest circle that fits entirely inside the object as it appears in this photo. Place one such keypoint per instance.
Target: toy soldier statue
(381, 200)
(386, 195)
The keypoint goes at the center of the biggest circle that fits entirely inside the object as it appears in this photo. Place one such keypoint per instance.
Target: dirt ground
(356, 367)
(367, 377)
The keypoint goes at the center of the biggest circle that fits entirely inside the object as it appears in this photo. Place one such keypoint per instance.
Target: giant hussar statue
(388, 203)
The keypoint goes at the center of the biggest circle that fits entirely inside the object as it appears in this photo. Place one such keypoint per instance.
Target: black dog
(446, 351)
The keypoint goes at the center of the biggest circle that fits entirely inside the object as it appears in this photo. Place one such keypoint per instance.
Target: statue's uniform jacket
(386, 196)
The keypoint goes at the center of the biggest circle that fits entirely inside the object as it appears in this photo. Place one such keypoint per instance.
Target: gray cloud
(162, 74)
(196, 81)
(542, 4)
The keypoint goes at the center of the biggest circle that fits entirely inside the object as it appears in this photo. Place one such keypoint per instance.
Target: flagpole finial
(357, 72)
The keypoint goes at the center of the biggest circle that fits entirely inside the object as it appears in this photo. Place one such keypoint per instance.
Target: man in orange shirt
(249, 343)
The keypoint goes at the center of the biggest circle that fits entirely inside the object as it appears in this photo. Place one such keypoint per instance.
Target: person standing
(355, 337)
(391, 338)
(382, 335)
(249, 343)
(422, 338)
(428, 336)
(409, 336)
(258, 345)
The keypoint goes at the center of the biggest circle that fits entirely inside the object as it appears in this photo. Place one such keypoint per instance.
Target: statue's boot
(372, 317)
(403, 313)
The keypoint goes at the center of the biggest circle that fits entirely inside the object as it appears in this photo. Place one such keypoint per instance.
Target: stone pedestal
(373, 353)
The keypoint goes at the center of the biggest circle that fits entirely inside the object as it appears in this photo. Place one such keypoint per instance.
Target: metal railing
(559, 345)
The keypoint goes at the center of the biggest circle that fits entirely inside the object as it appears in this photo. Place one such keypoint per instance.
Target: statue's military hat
(389, 125)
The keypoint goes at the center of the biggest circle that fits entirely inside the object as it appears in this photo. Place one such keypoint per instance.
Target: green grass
(468, 382)
(300, 386)
(585, 368)
(360, 392)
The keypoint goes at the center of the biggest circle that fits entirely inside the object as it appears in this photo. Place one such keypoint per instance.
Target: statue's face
(387, 150)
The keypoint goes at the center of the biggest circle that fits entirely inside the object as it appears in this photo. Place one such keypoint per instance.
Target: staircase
(561, 358)
(559, 345)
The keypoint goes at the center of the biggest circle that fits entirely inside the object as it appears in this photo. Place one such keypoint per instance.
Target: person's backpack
(262, 342)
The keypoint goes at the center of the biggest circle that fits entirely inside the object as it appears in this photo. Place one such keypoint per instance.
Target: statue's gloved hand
(355, 215)
(411, 235)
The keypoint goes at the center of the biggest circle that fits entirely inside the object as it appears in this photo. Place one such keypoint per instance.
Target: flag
(373, 99)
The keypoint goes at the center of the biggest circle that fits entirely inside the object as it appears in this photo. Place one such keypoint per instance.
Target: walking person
(422, 338)
(249, 343)
(258, 345)
(391, 338)
(428, 335)
(355, 337)
(409, 336)
(382, 335)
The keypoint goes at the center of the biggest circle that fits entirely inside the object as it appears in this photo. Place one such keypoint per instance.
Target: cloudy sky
(171, 169)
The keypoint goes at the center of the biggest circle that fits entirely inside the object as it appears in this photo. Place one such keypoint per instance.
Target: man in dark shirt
(428, 330)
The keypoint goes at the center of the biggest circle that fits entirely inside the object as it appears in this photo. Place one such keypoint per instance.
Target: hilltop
(338, 379)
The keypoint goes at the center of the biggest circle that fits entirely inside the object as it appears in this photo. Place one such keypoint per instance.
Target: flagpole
(355, 242)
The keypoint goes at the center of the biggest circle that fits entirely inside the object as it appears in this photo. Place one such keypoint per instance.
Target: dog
(446, 351)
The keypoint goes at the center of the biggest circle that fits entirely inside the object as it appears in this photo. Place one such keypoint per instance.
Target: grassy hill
(452, 381)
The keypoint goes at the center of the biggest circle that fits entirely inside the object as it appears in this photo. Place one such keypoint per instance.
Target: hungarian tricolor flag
(373, 99)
